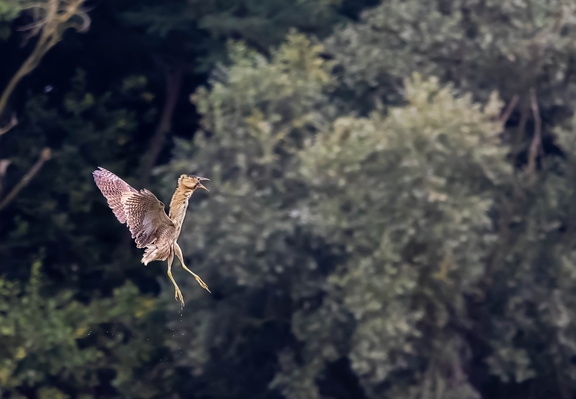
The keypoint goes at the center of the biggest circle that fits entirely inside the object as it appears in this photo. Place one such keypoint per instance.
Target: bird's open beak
(200, 185)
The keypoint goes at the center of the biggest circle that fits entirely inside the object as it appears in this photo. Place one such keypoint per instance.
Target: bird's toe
(179, 297)
(203, 284)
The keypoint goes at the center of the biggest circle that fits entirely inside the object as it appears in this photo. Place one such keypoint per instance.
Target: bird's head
(192, 182)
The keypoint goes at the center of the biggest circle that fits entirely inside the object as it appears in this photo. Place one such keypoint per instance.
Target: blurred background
(392, 205)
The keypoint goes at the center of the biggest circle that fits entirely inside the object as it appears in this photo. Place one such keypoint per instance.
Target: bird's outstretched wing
(112, 187)
(140, 210)
(145, 217)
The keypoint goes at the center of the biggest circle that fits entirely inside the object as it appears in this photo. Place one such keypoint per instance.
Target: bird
(146, 218)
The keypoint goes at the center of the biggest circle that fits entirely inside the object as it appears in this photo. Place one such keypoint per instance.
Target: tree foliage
(406, 198)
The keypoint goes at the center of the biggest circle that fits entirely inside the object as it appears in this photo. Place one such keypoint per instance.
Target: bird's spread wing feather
(140, 210)
(112, 187)
(145, 217)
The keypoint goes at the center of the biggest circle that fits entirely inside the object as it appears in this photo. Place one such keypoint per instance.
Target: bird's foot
(202, 283)
(179, 297)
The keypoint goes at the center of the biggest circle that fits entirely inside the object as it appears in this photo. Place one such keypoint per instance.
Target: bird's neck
(179, 205)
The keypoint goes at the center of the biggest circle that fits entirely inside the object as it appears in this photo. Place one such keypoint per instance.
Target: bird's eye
(161, 204)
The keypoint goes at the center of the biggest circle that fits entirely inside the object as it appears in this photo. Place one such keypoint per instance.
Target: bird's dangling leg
(197, 277)
(178, 294)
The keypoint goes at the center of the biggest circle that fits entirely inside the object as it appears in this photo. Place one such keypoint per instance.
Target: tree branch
(4, 163)
(45, 155)
(49, 28)
(511, 105)
(13, 122)
(173, 82)
(537, 139)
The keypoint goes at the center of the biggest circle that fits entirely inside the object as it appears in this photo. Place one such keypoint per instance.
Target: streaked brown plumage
(146, 218)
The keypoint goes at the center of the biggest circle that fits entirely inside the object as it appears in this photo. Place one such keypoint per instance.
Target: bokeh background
(392, 210)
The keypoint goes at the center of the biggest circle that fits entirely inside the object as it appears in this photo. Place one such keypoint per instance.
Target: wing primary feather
(141, 211)
(112, 187)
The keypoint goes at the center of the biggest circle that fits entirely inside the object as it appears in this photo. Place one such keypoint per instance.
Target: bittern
(146, 218)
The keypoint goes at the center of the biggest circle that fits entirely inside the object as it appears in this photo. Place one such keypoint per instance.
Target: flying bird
(146, 218)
